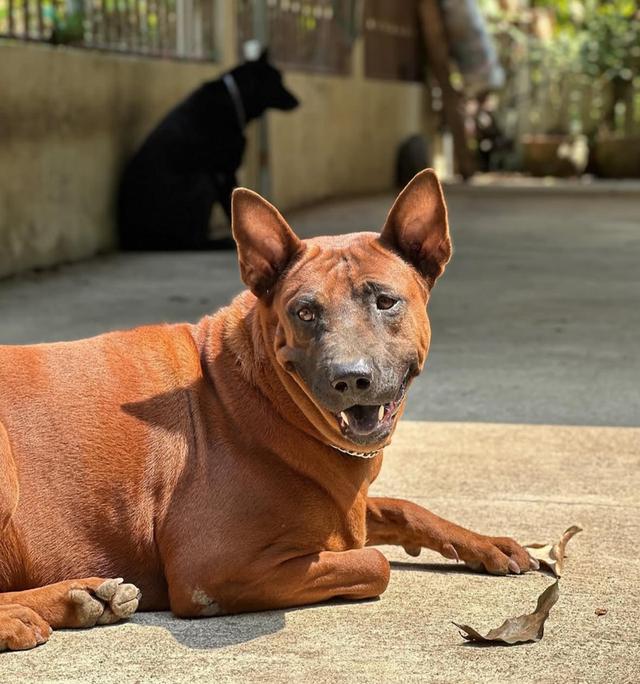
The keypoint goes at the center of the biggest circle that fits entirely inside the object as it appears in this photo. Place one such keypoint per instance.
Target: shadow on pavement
(439, 568)
(212, 633)
(218, 632)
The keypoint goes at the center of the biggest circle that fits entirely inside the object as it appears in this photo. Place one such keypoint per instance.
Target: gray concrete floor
(536, 322)
(528, 481)
(537, 319)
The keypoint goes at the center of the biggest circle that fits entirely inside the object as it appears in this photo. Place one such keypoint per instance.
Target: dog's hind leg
(27, 617)
(354, 574)
(8, 481)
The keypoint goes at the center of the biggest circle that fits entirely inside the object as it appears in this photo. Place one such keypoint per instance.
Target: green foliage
(572, 65)
(68, 28)
(599, 38)
(611, 39)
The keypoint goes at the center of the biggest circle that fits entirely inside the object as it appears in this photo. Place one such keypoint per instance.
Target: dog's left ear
(265, 242)
(417, 226)
(264, 57)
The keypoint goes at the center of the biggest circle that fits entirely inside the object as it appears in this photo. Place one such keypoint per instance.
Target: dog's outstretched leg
(354, 574)
(27, 617)
(403, 523)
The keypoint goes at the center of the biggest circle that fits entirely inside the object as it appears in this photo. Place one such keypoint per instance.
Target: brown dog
(224, 467)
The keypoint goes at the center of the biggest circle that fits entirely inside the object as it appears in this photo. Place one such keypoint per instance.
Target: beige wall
(342, 140)
(69, 118)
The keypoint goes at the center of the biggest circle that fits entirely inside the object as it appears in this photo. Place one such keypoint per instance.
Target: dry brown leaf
(519, 629)
(552, 555)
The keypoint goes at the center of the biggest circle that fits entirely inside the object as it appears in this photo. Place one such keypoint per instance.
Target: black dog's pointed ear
(265, 242)
(417, 226)
(264, 56)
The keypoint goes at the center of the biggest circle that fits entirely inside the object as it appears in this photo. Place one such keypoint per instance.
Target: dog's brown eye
(305, 314)
(383, 302)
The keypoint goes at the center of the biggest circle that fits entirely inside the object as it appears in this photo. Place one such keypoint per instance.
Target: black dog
(190, 160)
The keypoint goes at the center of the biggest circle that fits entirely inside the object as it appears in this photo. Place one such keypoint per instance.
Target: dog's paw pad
(107, 590)
(110, 602)
(88, 609)
(123, 604)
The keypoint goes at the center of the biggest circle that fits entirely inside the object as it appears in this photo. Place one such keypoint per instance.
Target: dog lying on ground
(224, 467)
(189, 162)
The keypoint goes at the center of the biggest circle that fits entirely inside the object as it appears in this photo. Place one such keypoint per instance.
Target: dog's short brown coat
(194, 460)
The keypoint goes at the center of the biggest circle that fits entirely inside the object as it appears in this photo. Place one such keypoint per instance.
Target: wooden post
(437, 47)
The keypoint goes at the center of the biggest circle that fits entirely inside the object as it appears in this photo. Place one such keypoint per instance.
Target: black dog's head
(346, 316)
(261, 87)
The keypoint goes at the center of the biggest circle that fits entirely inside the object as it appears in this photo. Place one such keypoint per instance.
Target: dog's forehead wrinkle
(342, 242)
(324, 275)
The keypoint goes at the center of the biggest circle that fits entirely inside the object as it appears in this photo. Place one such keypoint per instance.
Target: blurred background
(528, 109)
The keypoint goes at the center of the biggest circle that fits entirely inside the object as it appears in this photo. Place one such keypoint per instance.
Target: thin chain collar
(234, 93)
(359, 454)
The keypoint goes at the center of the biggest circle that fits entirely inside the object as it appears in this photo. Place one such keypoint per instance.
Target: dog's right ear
(265, 242)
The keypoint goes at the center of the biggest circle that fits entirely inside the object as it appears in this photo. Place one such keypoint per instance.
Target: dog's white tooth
(381, 412)
(343, 415)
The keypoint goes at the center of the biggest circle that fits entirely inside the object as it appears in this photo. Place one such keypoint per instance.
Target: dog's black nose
(352, 377)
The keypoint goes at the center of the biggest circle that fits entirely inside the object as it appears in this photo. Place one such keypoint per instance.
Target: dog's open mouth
(364, 420)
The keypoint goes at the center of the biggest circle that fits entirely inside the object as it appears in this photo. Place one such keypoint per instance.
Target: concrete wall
(69, 118)
(343, 140)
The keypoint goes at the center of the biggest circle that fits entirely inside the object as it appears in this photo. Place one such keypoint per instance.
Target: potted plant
(611, 56)
(554, 146)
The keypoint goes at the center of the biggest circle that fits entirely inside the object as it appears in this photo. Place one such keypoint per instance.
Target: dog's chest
(349, 529)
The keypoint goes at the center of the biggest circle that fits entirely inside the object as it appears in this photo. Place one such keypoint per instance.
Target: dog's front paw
(22, 628)
(496, 555)
(108, 602)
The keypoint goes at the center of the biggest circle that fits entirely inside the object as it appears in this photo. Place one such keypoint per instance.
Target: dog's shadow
(214, 633)
(433, 568)
(219, 632)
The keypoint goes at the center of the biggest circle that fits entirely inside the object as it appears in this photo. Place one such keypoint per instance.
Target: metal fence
(393, 46)
(312, 36)
(168, 28)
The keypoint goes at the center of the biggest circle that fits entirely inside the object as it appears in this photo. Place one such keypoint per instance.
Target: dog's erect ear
(265, 242)
(417, 226)
(264, 57)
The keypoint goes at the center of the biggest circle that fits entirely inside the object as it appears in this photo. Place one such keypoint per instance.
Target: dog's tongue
(363, 419)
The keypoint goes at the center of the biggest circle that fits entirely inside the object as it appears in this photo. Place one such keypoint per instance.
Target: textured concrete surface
(69, 119)
(535, 322)
(529, 481)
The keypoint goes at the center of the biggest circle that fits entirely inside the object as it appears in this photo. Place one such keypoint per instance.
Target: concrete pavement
(535, 321)
(535, 329)
(529, 481)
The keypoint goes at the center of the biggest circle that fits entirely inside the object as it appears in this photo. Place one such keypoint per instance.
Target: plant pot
(617, 157)
(554, 155)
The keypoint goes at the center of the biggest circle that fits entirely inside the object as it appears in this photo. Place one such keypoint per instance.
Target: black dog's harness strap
(236, 98)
